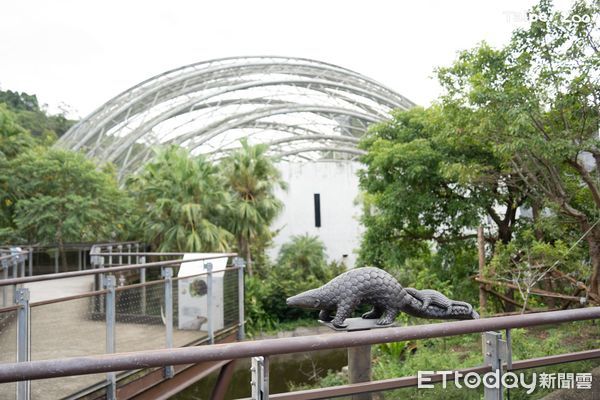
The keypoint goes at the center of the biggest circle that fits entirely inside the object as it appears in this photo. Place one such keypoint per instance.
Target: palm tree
(182, 200)
(252, 177)
(305, 253)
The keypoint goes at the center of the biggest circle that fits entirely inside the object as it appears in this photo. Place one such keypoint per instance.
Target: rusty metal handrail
(103, 291)
(412, 381)
(135, 360)
(96, 271)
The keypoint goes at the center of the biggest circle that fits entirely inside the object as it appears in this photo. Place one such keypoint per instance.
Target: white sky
(82, 53)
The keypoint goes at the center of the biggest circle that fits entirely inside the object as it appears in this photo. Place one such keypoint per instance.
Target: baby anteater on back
(382, 291)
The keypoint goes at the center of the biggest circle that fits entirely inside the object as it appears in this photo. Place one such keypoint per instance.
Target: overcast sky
(82, 53)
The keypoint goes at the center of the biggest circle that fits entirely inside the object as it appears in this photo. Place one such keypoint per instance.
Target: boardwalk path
(65, 329)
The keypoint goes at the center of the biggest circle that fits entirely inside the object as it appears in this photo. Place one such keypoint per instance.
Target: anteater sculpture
(381, 290)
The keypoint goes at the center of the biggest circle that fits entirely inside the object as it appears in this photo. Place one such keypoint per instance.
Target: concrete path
(65, 329)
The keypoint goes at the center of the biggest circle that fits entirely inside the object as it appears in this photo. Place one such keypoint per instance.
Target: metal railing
(20, 372)
(52, 258)
(120, 310)
(12, 264)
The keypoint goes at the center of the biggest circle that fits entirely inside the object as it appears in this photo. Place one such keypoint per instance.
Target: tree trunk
(535, 209)
(593, 240)
(481, 253)
(61, 249)
(244, 249)
(510, 293)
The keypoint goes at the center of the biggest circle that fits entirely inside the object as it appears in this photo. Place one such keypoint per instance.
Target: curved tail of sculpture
(433, 304)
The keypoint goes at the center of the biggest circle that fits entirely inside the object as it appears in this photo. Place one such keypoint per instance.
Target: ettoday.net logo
(510, 380)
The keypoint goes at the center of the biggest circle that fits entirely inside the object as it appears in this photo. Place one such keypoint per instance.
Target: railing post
(142, 260)
(22, 257)
(129, 251)
(23, 335)
(110, 260)
(240, 263)
(56, 261)
(109, 284)
(359, 368)
(209, 301)
(4, 264)
(167, 274)
(495, 351)
(120, 251)
(260, 378)
(14, 260)
(30, 257)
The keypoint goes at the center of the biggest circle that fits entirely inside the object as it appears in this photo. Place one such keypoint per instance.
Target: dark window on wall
(317, 210)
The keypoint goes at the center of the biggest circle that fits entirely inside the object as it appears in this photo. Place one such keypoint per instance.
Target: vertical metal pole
(23, 345)
(109, 284)
(142, 260)
(240, 263)
(120, 251)
(209, 302)
(494, 354)
(260, 378)
(508, 350)
(167, 274)
(15, 273)
(22, 257)
(56, 261)
(31, 261)
(78, 259)
(129, 251)
(85, 258)
(110, 261)
(4, 288)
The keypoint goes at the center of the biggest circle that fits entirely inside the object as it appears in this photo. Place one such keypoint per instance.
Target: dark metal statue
(381, 290)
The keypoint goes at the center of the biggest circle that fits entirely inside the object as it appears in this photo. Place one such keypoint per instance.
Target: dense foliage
(181, 203)
(52, 196)
(516, 129)
(301, 265)
(32, 117)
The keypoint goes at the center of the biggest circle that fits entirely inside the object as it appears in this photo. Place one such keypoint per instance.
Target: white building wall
(337, 184)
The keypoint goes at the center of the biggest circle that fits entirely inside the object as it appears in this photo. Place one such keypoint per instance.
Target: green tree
(58, 196)
(427, 187)
(252, 178)
(14, 139)
(182, 201)
(30, 116)
(305, 253)
(537, 102)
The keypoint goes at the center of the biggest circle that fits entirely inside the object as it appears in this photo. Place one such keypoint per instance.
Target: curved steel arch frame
(304, 109)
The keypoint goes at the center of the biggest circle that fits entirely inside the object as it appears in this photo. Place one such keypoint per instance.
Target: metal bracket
(260, 378)
(495, 353)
